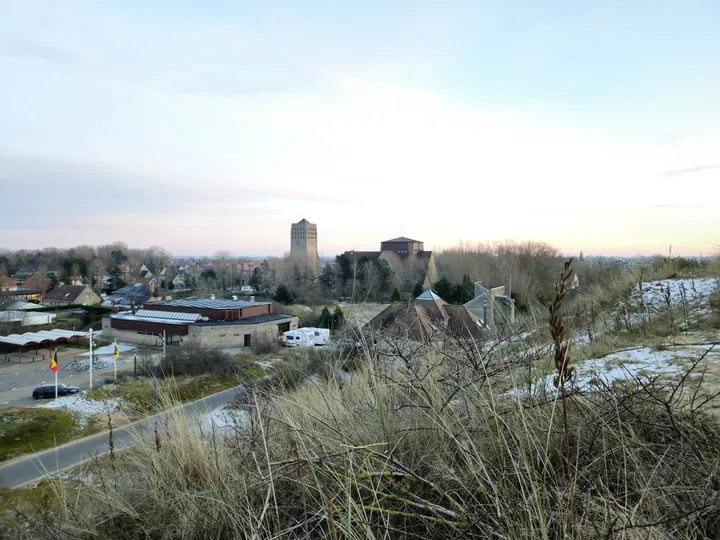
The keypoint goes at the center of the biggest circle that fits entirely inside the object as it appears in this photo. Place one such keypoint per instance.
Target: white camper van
(306, 337)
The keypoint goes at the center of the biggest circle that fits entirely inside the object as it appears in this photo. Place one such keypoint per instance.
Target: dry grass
(423, 449)
(435, 443)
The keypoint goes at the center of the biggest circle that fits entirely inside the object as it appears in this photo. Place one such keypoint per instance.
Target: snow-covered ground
(694, 293)
(624, 365)
(83, 407)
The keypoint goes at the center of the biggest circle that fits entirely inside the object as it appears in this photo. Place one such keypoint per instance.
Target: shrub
(196, 361)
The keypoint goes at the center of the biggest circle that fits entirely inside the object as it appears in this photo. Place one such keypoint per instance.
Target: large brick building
(304, 244)
(207, 323)
(407, 258)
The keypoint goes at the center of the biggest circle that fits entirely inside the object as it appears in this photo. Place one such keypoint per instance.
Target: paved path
(34, 467)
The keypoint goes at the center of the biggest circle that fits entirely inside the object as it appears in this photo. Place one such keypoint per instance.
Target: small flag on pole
(116, 352)
(53, 363)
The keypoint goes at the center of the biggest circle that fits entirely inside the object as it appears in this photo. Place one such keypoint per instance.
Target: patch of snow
(655, 294)
(84, 407)
(267, 364)
(624, 365)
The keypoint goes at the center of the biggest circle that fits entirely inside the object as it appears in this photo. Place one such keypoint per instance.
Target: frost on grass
(82, 407)
(630, 364)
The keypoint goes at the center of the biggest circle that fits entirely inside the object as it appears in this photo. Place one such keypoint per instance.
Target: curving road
(34, 467)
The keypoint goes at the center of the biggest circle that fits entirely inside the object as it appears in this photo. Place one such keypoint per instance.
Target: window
(283, 327)
(248, 340)
(290, 338)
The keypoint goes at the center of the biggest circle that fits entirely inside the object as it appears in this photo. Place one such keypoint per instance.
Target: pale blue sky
(213, 125)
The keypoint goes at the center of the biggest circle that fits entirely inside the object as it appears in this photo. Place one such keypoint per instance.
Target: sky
(206, 126)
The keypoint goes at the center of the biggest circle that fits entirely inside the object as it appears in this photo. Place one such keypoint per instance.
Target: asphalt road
(18, 381)
(35, 467)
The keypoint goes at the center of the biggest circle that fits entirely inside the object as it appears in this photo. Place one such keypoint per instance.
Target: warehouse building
(25, 318)
(207, 323)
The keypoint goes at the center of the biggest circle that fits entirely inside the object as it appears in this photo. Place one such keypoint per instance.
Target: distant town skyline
(208, 126)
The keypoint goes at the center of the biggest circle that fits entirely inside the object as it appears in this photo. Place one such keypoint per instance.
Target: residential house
(7, 283)
(64, 295)
(145, 272)
(493, 305)
(135, 294)
(426, 318)
(408, 260)
(37, 281)
(179, 280)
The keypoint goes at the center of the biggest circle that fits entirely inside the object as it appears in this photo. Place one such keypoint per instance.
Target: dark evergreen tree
(256, 279)
(444, 289)
(338, 318)
(283, 295)
(326, 318)
(395, 297)
(418, 290)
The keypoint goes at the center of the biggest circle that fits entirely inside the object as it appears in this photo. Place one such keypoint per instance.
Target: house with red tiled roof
(37, 281)
(7, 283)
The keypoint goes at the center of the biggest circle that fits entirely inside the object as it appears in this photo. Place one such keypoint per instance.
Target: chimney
(252, 298)
(132, 304)
(212, 296)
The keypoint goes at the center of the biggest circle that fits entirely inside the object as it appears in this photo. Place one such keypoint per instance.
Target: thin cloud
(684, 205)
(679, 172)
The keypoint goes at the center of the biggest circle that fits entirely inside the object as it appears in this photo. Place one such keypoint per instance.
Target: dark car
(48, 391)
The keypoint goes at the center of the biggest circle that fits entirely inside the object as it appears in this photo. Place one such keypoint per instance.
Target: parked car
(48, 391)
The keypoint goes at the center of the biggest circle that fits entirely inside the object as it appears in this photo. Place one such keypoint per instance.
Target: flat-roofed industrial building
(206, 323)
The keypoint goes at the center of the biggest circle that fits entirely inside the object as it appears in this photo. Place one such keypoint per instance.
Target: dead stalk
(561, 343)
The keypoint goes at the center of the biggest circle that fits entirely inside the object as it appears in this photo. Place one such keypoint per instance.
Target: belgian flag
(53, 363)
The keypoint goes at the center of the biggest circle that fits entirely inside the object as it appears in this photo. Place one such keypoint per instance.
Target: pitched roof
(401, 239)
(65, 293)
(17, 303)
(36, 281)
(427, 294)
(6, 281)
